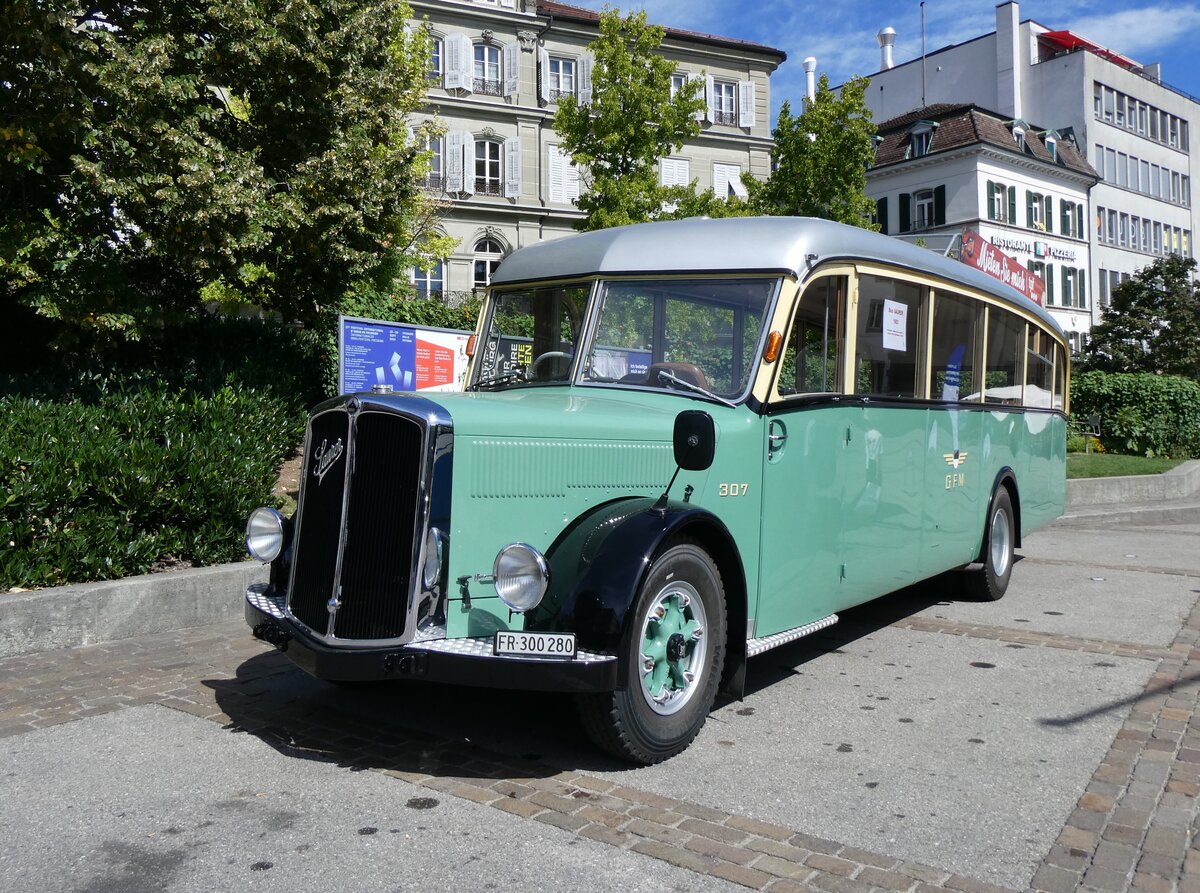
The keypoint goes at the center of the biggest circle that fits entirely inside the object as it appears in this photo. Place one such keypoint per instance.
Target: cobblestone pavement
(1132, 829)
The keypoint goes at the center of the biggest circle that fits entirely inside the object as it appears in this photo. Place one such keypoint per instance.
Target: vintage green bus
(680, 444)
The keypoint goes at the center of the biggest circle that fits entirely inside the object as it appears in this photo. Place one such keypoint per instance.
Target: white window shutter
(745, 103)
(736, 184)
(698, 77)
(459, 61)
(512, 69)
(509, 4)
(674, 171)
(454, 161)
(512, 168)
(468, 162)
(721, 180)
(585, 78)
(709, 99)
(543, 76)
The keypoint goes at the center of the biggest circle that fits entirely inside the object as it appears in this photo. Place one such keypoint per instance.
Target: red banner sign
(983, 255)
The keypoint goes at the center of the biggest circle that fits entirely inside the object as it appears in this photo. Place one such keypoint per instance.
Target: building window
(727, 181)
(921, 141)
(488, 167)
(435, 179)
(488, 255)
(1038, 269)
(435, 58)
(1039, 211)
(427, 283)
(725, 103)
(562, 77)
(1001, 202)
(487, 70)
(923, 209)
(678, 81)
(1071, 219)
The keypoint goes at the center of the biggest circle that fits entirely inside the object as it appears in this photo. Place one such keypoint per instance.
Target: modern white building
(1134, 127)
(499, 68)
(945, 168)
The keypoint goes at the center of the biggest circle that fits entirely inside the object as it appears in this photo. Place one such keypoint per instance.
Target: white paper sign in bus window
(895, 325)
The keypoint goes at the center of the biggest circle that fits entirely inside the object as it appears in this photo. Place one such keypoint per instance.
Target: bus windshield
(698, 335)
(692, 335)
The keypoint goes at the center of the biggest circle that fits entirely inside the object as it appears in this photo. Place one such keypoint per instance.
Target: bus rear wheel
(674, 657)
(990, 581)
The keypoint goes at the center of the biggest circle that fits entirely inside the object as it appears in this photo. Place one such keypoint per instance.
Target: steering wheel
(548, 355)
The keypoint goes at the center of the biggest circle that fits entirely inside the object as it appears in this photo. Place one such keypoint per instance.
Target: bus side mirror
(695, 440)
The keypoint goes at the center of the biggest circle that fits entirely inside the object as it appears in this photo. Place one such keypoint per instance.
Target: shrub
(1141, 414)
(103, 489)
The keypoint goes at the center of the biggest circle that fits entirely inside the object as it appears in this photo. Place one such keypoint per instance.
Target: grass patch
(1104, 465)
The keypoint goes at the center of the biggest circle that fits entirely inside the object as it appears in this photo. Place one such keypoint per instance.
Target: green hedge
(94, 491)
(1141, 414)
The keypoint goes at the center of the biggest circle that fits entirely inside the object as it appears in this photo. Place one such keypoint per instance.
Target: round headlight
(265, 534)
(522, 576)
(433, 558)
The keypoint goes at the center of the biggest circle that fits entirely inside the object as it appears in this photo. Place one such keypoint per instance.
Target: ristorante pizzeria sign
(983, 255)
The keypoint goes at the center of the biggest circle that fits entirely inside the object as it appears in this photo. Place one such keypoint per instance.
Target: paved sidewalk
(1132, 825)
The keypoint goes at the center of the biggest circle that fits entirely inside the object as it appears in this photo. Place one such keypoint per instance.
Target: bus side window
(888, 346)
(1060, 376)
(1039, 369)
(1005, 353)
(814, 344)
(957, 330)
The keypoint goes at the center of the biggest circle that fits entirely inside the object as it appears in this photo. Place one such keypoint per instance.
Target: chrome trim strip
(766, 643)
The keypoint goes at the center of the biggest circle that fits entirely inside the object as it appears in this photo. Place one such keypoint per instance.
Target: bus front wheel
(990, 581)
(673, 661)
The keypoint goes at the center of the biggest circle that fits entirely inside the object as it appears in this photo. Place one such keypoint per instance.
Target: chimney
(1154, 72)
(886, 38)
(810, 78)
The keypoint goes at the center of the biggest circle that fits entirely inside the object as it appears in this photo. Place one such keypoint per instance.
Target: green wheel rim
(672, 657)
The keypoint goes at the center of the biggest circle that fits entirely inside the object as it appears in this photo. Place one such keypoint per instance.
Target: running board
(766, 643)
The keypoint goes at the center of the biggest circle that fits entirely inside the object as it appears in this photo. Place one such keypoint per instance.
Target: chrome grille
(358, 525)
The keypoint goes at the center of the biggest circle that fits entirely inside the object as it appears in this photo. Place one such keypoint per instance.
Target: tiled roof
(566, 11)
(961, 125)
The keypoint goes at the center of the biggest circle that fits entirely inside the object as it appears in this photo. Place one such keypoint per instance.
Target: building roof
(578, 14)
(959, 125)
(698, 246)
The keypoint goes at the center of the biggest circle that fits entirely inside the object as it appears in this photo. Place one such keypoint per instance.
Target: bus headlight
(521, 575)
(266, 533)
(433, 559)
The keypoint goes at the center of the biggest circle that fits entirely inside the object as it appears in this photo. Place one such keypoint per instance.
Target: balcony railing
(487, 88)
(728, 118)
(556, 95)
(487, 187)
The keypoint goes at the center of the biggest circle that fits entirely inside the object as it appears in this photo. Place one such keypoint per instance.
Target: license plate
(560, 645)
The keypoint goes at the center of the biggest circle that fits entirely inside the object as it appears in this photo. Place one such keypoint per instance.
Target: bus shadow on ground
(467, 732)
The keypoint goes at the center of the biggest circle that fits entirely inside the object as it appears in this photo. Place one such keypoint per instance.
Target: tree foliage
(1153, 323)
(159, 155)
(631, 122)
(821, 158)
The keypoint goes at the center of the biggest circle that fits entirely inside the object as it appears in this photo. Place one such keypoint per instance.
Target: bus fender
(598, 565)
(1005, 477)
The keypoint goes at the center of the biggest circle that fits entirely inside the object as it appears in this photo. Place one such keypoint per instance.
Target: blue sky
(841, 35)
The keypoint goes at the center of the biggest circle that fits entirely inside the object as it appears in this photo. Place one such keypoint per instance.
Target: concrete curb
(90, 613)
(1181, 482)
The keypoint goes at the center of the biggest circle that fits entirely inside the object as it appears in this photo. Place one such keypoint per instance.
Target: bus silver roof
(738, 245)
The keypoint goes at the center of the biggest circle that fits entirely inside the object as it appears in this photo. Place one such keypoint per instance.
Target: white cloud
(1139, 31)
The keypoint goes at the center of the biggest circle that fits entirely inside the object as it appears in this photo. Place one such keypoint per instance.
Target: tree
(821, 158)
(1153, 323)
(631, 121)
(159, 155)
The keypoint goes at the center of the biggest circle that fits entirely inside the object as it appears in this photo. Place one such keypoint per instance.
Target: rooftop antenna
(922, 53)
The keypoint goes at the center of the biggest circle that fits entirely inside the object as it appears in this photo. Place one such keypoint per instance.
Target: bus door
(803, 445)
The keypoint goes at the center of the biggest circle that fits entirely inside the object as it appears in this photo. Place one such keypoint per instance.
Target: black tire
(658, 712)
(989, 582)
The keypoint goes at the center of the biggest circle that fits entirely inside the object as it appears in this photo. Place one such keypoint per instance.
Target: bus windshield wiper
(663, 374)
(497, 380)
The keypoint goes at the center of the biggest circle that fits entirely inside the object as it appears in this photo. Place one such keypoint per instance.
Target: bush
(103, 489)
(1141, 414)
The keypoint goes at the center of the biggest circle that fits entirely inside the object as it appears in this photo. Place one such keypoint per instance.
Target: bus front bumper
(460, 661)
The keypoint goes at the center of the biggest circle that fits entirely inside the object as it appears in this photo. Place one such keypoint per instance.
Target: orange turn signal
(774, 343)
(471, 346)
